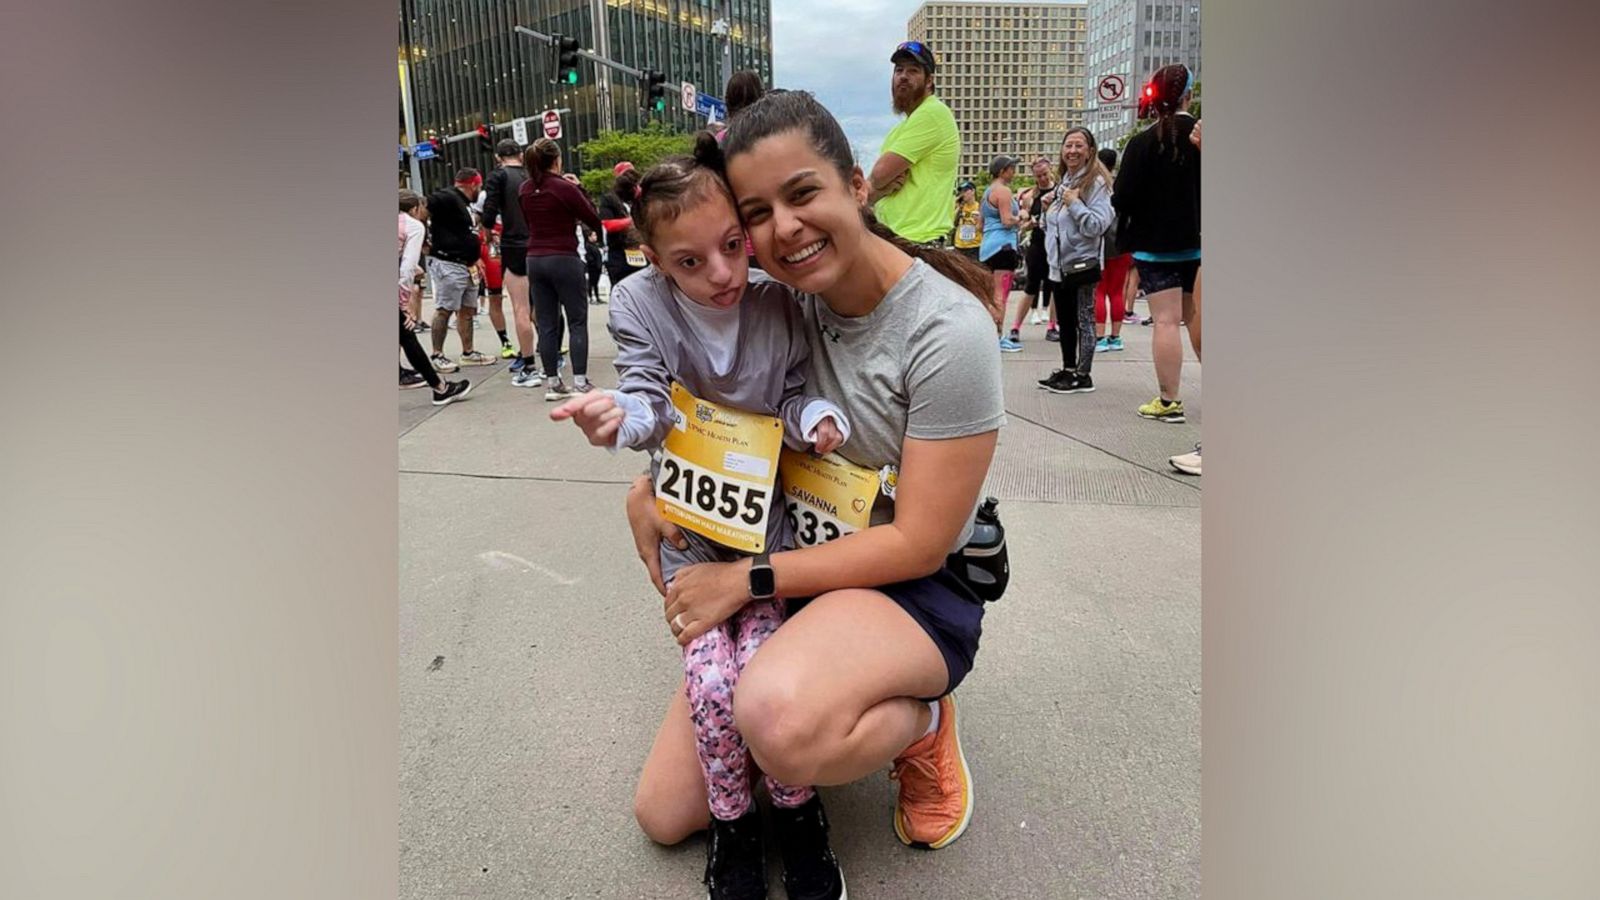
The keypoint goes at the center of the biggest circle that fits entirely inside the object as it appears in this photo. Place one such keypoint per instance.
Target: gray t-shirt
(922, 365)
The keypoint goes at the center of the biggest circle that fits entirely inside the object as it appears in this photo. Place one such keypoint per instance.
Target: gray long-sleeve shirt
(660, 341)
(1074, 230)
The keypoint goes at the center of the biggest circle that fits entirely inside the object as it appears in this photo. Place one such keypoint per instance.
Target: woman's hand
(829, 438)
(704, 595)
(596, 413)
(1065, 195)
(1194, 136)
(650, 529)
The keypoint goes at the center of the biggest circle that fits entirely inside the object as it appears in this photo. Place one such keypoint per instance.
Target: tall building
(1132, 39)
(1012, 73)
(463, 63)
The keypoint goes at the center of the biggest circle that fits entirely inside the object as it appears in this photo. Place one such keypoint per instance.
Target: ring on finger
(677, 623)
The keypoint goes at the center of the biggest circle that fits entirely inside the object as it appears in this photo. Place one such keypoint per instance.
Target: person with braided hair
(1157, 198)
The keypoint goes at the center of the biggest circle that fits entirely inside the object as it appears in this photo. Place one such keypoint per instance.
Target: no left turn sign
(1111, 88)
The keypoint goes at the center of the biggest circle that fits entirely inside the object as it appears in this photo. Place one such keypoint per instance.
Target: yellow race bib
(826, 497)
(718, 469)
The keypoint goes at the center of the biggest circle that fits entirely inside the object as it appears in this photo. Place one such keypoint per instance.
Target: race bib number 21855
(718, 470)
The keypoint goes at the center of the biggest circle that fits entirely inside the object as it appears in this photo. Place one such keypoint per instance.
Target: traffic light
(655, 90)
(566, 59)
(1147, 99)
(485, 138)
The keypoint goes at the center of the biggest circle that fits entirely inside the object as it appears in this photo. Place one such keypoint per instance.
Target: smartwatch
(763, 582)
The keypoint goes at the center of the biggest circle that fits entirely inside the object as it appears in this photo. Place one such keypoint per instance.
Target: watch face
(762, 582)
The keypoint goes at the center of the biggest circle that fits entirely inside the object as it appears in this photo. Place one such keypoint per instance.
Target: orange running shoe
(935, 801)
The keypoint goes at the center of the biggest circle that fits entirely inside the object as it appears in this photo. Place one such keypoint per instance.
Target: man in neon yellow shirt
(914, 174)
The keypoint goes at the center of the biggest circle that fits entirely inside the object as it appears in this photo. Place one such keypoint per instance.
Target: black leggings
(1075, 316)
(416, 355)
(557, 284)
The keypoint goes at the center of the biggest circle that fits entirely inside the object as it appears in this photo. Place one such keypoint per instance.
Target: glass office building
(464, 63)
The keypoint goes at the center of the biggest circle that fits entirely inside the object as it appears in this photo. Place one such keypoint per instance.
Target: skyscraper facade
(1011, 73)
(463, 63)
(1132, 39)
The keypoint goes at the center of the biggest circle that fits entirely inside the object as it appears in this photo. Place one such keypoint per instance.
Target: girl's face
(419, 212)
(1075, 152)
(702, 251)
(804, 220)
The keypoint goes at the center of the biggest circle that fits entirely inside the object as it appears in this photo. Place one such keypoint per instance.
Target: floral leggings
(711, 666)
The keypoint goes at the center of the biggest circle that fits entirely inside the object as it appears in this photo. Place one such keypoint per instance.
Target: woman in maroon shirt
(553, 207)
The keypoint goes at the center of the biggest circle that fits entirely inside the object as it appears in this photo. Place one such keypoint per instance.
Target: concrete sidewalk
(534, 665)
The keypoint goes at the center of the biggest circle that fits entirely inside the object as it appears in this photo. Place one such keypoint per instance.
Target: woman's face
(702, 251)
(804, 220)
(1075, 152)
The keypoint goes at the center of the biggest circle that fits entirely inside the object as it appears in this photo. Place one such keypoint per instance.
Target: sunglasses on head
(913, 46)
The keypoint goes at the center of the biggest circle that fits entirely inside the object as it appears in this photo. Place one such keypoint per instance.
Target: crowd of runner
(843, 329)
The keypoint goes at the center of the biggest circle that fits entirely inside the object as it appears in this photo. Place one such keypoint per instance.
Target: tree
(643, 148)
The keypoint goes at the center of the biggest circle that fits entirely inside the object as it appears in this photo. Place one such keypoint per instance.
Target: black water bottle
(984, 563)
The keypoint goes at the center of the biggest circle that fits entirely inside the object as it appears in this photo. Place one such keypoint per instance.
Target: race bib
(968, 233)
(635, 258)
(718, 470)
(826, 497)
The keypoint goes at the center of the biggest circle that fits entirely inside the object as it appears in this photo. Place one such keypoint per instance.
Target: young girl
(694, 335)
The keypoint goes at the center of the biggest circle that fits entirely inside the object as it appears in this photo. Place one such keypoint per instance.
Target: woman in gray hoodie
(1077, 214)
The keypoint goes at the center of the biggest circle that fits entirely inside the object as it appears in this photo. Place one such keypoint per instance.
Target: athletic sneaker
(1015, 335)
(1162, 411)
(451, 391)
(507, 351)
(1147, 320)
(1010, 345)
(736, 864)
(1037, 318)
(1053, 334)
(810, 870)
(1114, 343)
(1102, 345)
(1077, 384)
(556, 389)
(410, 379)
(1187, 463)
(528, 377)
(518, 364)
(583, 387)
(442, 363)
(477, 358)
(1059, 376)
(935, 802)
(1131, 318)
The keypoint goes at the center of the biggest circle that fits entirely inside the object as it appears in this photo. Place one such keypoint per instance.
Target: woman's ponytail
(950, 264)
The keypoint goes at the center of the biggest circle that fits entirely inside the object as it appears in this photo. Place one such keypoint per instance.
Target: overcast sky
(839, 50)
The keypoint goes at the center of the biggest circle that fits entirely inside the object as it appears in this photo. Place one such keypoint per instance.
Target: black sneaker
(451, 391)
(1053, 335)
(736, 865)
(810, 870)
(410, 379)
(1057, 378)
(1077, 384)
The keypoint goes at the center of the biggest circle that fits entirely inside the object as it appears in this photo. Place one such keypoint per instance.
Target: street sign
(552, 124)
(519, 132)
(710, 107)
(1111, 88)
(423, 150)
(688, 96)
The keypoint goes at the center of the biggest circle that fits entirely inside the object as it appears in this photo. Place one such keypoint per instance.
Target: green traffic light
(572, 76)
